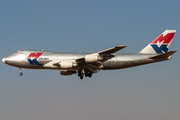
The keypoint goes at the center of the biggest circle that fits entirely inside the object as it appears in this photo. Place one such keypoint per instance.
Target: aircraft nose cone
(3, 60)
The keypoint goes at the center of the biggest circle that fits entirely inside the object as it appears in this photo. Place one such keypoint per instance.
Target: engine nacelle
(67, 72)
(67, 64)
(91, 58)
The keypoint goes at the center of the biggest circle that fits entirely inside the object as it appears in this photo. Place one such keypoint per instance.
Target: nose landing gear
(20, 72)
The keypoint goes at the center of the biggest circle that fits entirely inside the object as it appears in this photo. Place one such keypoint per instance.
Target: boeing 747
(85, 64)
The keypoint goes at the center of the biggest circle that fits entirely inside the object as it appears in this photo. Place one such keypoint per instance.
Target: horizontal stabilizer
(164, 55)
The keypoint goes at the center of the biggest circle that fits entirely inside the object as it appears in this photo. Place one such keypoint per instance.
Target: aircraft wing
(111, 50)
(92, 61)
(101, 56)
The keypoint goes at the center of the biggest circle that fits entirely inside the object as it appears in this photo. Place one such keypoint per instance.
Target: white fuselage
(47, 59)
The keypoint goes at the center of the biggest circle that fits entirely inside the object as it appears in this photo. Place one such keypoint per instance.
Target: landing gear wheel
(20, 73)
(79, 73)
(86, 74)
(81, 77)
(90, 75)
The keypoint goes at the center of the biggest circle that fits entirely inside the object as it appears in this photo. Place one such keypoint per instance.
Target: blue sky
(148, 92)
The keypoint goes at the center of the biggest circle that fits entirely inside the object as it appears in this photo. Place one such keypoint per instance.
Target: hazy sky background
(150, 92)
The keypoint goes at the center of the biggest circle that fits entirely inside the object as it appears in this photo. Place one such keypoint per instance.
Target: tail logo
(160, 47)
(32, 58)
(161, 44)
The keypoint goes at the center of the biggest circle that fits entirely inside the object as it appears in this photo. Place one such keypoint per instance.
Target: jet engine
(66, 72)
(91, 58)
(67, 64)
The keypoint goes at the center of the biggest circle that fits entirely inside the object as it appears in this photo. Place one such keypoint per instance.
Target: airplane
(85, 64)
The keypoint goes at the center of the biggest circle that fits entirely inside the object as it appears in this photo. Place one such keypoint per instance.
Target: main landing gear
(20, 72)
(86, 73)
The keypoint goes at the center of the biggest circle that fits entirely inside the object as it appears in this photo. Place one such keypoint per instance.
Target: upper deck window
(16, 52)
